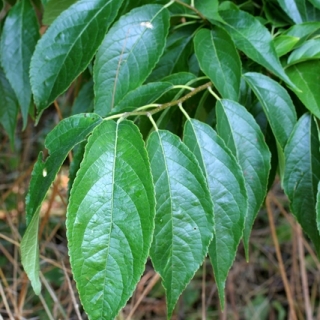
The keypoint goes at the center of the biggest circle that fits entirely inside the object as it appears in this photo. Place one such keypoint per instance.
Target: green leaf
(128, 53)
(110, 218)
(276, 103)
(9, 107)
(219, 60)
(68, 46)
(228, 193)
(310, 50)
(19, 37)
(176, 54)
(184, 213)
(305, 76)
(302, 174)
(143, 95)
(209, 8)
(29, 248)
(318, 208)
(303, 30)
(78, 153)
(284, 44)
(84, 100)
(54, 8)
(251, 37)
(59, 142)
(243, 136)
(1, 5)
(295, 9)
(316, 3)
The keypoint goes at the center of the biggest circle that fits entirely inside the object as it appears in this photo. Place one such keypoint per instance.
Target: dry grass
(281, 281)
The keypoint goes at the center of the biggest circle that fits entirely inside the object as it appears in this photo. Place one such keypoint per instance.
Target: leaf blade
(59, 142)
(255, 41)
(276, 104)
(295, 9)
(143, 95)
(305, 76)
(308, 51)
(219, 60)
(128, 54)
(9, 107)
(182, 231)
(56, 61)
(227, 188)
(19, 37)
(243, 136)
(113, 211)
(302, 174)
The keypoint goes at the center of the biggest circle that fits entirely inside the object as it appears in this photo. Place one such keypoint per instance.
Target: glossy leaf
(19, 37)
(295, 9)
(143, 95)
(251, 37)
(284, 44)
(183, 228)
(54, 8)
(316, 3)
(219, 60)
(59, 142)
(276, 103)
(9, 107)
(305, 76)
(310, 50)
(68, 46)
(303, 31)
(110, 218)
(228, 193)
(244, 138)
(176, 54)
(302, 174)
(209, 8)
(128, 54)
(77, 157)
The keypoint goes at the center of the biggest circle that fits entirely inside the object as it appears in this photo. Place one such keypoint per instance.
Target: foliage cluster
(186, 112)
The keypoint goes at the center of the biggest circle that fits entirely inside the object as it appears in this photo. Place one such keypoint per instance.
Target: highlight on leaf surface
(110, 218)
(184, 214)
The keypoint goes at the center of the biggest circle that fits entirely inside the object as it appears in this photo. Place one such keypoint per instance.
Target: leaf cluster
(186, 111)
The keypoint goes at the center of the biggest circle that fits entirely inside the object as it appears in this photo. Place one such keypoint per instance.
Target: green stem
(191, 8)
(151, 105)
(184, 111)
(214, 94)
(169, 4)
(152, 121)
(182, 86)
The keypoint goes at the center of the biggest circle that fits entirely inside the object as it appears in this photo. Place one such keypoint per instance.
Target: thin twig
(292, 223)
(52, 294)
(304, 279)
(148, 288)
(17, 182)
(279, 257)
(191, 8)
(5, 302)
(73, 298)
(46, 307)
